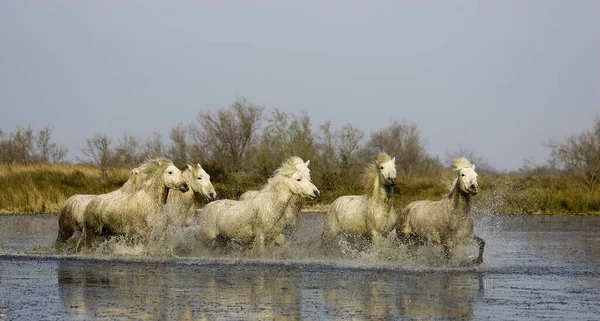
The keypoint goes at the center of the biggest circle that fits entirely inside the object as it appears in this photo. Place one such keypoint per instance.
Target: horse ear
(394, 160)
(189, 167)
(199, 166)
(307, 162)
(473, 167)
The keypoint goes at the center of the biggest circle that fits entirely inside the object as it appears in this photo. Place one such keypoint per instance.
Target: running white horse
(182, 206)
(134, 212)
(448, 221)
(370, 215)
(256, 219)
(292, 211)
(70, 218)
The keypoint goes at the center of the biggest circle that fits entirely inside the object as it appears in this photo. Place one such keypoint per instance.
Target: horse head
(387, 170)
(466, 176)
(297, 181)
(199, 181)
(173, 178)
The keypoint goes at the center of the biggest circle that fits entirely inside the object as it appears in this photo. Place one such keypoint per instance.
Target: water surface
(535, 267)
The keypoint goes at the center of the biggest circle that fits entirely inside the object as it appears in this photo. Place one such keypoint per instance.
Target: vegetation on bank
(241, 145)
(43, 189)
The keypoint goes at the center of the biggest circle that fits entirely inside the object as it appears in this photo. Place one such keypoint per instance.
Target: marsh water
(535, 267)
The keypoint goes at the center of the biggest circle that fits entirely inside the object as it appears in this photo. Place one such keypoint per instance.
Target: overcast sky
(499, 78)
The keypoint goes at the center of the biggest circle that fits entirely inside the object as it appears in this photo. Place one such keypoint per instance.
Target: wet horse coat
(182, 206)
(371, 214)
(255, 220)
(448, 221)
(134, 213)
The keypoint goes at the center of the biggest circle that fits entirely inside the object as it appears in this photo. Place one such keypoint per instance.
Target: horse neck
(461, 201)
(278, 198)
(380, 192)
(196, 199)
(158, 191)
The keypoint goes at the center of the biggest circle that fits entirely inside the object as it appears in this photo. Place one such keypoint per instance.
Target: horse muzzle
(211, 196)
(390, 181)
(315, 194)
(184, 187)
(474, 189)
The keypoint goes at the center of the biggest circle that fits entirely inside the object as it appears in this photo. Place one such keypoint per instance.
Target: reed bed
(43, 188)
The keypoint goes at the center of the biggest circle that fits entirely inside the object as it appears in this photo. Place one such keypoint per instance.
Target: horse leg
(481, 244)
(447, 252)
(259, 242)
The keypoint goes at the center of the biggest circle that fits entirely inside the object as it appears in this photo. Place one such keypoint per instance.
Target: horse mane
(286, 169)
(294, 160)
(459, 163)
(371, 174)
(462, 163)
(152, 168)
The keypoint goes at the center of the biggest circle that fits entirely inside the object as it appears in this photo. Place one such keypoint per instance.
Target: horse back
(348, 213)
(74, 207)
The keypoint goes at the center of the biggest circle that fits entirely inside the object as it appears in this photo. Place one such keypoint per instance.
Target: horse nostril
(212, 196)
(185, 187)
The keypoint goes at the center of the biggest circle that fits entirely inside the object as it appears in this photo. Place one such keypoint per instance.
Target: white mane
(461, 163)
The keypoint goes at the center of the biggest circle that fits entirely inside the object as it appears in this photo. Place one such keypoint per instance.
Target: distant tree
(337, 154)
(153, 147)
(178, 147)
(97, 151)
(227, 134)
(283, 136)
(348, 140)
(403, 141)
(26, 146)
(23, 144)
(579, 152)
(128, 151)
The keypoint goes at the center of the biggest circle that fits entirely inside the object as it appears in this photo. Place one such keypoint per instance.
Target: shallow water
(535, 267)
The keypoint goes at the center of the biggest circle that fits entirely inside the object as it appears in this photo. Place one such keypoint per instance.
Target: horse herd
(157, 194)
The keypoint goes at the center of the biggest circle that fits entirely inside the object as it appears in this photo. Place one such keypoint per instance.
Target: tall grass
(43, 189)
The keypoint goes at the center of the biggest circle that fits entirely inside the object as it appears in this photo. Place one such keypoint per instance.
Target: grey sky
(499, 78)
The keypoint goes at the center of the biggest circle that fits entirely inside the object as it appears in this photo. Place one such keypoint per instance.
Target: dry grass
(43, 189)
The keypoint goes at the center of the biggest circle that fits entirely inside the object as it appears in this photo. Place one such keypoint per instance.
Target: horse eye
(380, 167)
(463, 175)
(170, 172)
(199, 178)
(299, 179)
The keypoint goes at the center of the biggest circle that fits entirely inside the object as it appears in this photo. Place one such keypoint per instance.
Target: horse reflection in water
(364, 296)
(112, 290)
(162, 292)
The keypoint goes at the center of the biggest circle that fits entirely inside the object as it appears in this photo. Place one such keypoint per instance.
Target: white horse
(182, 206)
(256, 219)
(370, 215)
(134, 212)
(292, 211)
(71, 213)
(448, 221)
